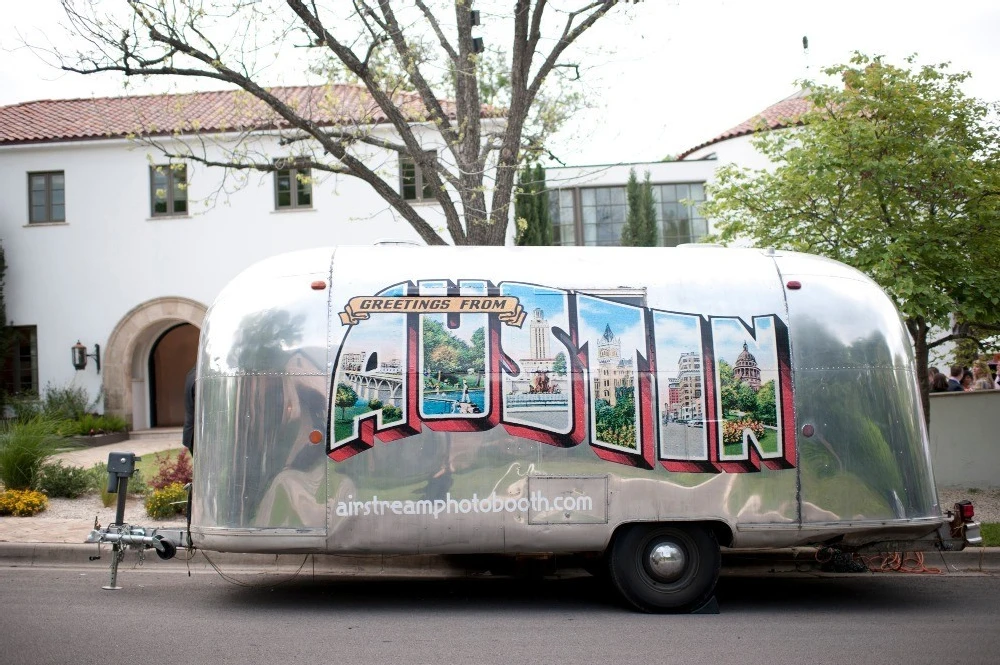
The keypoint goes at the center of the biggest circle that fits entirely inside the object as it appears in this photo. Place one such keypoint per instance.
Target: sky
(663, 75)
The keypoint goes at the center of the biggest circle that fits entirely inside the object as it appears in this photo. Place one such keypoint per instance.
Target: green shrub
(22, 503)
(98, 477)
(24, 447)
(25, 405)
(167, 502)
(58, 480)
(92, 423)
(67, 403)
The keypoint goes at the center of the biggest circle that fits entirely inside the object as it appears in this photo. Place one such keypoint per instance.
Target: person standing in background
(955, 380)
(187, 436)
(939, 384)
(981, 377)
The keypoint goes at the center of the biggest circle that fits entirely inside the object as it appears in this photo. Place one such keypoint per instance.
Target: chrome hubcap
(667, 562)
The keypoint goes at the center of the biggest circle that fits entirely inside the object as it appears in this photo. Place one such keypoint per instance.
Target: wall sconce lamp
(80, 356)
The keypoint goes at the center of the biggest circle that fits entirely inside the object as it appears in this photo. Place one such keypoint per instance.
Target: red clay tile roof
(785, 113)
(49, 121)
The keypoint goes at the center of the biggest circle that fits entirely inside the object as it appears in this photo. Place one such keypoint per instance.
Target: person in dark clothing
(955, 380)
(939, 384)
(187, 438)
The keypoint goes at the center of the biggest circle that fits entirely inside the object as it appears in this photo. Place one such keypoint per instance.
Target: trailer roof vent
(397, 243)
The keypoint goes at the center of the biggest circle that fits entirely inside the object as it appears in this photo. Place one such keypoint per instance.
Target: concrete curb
(44, 555)
(734, 562)
(804, 560)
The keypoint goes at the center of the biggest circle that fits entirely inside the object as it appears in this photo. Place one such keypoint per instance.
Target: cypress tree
(640, 221)
(531, 208)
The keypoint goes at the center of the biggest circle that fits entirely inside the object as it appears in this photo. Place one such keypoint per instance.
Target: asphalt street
(61, 615)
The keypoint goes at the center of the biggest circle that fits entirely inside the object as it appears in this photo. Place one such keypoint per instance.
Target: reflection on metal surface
(666, 561)
(268, 385)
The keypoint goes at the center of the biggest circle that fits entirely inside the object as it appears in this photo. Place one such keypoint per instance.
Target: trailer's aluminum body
(271, 357)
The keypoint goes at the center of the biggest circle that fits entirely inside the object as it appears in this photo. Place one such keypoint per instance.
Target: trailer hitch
(165, 542)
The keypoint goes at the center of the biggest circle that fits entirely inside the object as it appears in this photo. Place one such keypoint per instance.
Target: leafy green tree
(727, 389)
(444, 360)
(345, 398)
(640, 221)
(746, 398)
(766, 410)
(474, 354)
(531, 208)
(896, 173)
(559, 364)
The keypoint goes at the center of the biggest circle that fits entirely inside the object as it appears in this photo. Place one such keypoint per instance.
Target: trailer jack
(122, 536)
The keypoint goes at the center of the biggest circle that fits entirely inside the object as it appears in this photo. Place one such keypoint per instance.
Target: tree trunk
(918, 332)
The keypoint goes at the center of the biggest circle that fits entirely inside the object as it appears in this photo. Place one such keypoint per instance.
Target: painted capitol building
(684, 393)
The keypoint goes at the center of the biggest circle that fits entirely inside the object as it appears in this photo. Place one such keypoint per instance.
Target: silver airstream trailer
(644, 406)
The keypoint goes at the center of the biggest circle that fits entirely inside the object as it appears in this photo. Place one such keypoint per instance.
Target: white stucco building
(587, 203)
(109, 243)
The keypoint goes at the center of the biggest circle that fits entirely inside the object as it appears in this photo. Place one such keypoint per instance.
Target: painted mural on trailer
(644, 387)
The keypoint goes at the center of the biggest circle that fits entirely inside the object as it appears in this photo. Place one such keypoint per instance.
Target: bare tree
(408, 56)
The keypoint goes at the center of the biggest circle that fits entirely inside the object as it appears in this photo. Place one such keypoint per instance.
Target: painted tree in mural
(446, 355)
(559, 364)
(409, 55)
(531, 208)
(896, 173)
(640, 220)
(345, 398)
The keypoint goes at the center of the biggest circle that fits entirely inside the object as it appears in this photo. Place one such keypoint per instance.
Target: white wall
(77, 280)
(965, 441)
(617, 174)
(736, 150)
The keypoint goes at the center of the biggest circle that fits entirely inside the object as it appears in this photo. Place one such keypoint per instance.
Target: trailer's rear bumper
(852, 534)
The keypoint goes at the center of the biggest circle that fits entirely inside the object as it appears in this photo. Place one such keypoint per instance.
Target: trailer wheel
(169, 549)
(665, 568)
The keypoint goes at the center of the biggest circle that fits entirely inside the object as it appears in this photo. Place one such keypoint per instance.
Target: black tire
(686, 587)
(169, 549)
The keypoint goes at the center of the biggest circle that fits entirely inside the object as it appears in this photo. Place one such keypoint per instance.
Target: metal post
(121, 466)
(122, 495)
(117, 554)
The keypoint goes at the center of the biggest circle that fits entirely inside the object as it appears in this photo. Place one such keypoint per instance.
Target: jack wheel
(169, 549)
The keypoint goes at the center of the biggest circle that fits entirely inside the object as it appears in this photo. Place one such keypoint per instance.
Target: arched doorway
(127, 371)
(173, 354)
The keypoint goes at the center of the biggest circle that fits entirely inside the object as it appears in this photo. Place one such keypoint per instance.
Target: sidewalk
(43, 541)
(88, 457)
(45, 528)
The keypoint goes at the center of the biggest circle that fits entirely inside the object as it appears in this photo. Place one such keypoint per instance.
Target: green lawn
(768, 443)
(991, 534)
(147, 463)
(343, 424)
